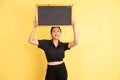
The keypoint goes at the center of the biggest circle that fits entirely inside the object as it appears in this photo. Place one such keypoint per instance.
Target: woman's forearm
(75, 40)
(31, 38)
(75, 34)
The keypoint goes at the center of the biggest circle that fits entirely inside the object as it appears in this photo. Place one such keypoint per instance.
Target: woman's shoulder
(63, 42)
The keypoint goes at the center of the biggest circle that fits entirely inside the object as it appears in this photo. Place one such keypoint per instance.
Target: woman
(54, 51)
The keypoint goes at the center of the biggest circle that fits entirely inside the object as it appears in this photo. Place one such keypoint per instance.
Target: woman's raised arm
(31, 37)
(75, 41)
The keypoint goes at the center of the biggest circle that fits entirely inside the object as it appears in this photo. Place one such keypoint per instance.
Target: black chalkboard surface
(54, 15)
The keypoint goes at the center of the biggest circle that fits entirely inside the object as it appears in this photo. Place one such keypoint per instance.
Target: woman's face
(56, 33)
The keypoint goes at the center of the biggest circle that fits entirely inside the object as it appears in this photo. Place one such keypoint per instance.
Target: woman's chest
(54, 50)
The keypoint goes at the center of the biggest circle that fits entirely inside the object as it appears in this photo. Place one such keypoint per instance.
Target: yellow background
(96, 57)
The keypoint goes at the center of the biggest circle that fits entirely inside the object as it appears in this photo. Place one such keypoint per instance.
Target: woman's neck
(55, 42)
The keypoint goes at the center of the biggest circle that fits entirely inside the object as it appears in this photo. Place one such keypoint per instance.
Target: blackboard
(54, 15)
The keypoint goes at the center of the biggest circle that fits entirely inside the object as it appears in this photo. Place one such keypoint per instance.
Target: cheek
(59, 34)
(52, 34)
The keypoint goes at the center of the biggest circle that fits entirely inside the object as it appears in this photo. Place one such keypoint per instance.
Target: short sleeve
(42, 44)
(66, 46)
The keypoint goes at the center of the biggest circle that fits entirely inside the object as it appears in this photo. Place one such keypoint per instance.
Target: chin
(56, 38)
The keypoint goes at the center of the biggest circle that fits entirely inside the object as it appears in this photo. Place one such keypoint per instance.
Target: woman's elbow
(34, 42)
(30, 41)
(76, 43)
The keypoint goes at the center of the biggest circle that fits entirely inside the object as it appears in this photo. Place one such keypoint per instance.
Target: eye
(53, 31)
(58, 31)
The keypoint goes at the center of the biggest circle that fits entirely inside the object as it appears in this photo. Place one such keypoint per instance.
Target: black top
(53, 53)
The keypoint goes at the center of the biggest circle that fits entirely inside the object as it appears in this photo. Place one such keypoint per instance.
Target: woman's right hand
(35, 22)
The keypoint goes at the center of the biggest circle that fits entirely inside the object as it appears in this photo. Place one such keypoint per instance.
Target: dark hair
(55, 27)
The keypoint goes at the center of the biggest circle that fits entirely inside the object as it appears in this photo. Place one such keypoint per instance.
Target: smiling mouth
(56, 35)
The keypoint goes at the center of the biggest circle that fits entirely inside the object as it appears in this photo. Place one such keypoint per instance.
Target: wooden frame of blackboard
(60, 5)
